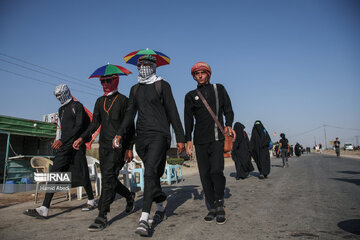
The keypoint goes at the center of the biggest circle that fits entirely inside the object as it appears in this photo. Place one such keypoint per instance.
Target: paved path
(318, 197)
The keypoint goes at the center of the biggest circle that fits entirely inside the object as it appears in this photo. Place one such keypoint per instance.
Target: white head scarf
(62, 93)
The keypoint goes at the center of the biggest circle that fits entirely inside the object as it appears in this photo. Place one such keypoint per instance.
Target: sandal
(34, 213)
(143, 229)
(210, 216)
(98, 225)
(220, 215)
(159, 216)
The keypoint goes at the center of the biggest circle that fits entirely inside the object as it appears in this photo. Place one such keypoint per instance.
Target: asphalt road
(317, 197)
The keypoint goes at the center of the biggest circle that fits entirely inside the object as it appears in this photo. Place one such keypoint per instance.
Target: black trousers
(62, 163)
(210, 158)
(152, 151)
(111, 162)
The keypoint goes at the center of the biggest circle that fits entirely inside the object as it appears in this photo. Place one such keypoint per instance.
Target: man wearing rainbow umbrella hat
(109, 111)
(154, 103)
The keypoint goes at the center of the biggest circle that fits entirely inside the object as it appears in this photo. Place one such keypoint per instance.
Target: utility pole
(325, 137)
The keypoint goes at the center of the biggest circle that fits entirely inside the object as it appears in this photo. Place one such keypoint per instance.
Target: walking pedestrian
(73, 121)
(153, 101)
(259, 145)
(284, 147)
(337, 147)
(208, 137)
(241, 152)
(109, 112)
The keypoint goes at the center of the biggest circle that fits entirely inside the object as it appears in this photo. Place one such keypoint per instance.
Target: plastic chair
(170, 174)
(41, 165)
(126, 175)
(179, 176)
(94, 176)
(137, 174)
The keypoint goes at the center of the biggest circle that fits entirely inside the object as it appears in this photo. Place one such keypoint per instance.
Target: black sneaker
(220, 215)
(143, 229)
(210, 216)
(98, 225)
(130, 203)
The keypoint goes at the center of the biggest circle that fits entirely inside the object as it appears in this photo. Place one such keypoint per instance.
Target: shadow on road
(349, 172)
(68, 209)
(355, 181)
(351, 226)
(276, 165)
(138, 205)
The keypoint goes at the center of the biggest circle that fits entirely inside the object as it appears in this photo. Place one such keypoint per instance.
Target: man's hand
(116, 144)
(128, 156)
(189, 148)
(57, 144)
(230, 132)
(180, 147)
(78, 143)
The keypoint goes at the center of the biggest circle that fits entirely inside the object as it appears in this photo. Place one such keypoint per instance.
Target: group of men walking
(151, 99)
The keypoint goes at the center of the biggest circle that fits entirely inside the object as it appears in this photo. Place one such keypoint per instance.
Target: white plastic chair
(94, 176)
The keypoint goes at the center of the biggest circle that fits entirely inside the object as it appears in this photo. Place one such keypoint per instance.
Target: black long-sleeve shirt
(206, 128)
(71, 117)
(116, 105)
(155, 113)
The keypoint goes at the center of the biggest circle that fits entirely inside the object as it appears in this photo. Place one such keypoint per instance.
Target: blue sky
(294, 65)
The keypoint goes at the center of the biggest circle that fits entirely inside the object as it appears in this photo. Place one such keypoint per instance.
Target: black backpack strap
(158, 89)
(135, 89)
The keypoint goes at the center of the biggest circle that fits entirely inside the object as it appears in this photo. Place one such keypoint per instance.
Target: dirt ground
(6, 200)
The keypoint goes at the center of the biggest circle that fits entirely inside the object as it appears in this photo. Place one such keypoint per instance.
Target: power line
(297, 135)
(354, 129)
(47, 69)
(84, 85)
(42, 81)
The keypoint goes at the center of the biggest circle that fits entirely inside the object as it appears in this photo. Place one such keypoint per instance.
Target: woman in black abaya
(240, 152)
(259, 146)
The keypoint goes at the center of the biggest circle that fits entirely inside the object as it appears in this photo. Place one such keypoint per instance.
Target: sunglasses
(107, 79)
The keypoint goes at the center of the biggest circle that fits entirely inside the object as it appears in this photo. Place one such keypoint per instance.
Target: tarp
(26, 127)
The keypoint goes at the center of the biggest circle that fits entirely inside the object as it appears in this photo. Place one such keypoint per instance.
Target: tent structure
(21, 139)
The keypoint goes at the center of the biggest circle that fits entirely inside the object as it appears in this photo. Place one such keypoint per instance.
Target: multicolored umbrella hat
(161, 59)
(110, 69)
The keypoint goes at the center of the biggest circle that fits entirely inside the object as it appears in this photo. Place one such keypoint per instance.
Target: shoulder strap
(158, 89)
(210, 111)
(135, 88)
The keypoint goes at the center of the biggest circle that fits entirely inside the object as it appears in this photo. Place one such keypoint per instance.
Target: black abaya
(240, 152)
(259, 144)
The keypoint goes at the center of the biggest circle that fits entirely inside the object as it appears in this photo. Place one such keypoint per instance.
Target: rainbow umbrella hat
(110, 69)
(161, 59)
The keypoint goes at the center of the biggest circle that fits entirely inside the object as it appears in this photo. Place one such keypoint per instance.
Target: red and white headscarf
(111, 87)
(201, 66)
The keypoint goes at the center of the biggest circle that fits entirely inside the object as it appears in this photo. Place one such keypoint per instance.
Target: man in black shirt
(156, 109)
(208, 139)
(71, 122)
(284, 147)
(337, 147)
(109, 112)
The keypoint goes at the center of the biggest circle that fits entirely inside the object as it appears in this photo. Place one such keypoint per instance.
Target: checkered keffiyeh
(62, 93)
(147, 69)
